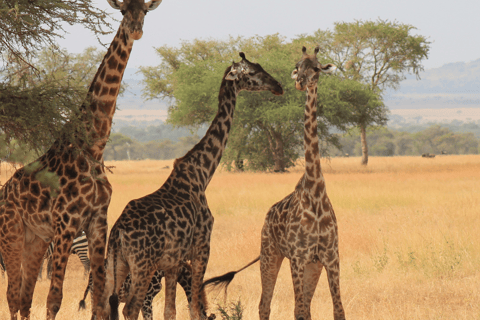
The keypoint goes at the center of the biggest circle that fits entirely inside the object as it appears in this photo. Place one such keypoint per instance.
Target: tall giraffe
(31, 216)
(174, 223)
(302, 227)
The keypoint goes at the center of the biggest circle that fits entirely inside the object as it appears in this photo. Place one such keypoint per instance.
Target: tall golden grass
(409, 238)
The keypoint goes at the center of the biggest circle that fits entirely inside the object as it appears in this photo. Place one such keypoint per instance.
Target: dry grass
(408, 238)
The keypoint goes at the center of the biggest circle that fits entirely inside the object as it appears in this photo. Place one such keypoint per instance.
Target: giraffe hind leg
(270, 263)
(141, 279)
(333, 274)
(170, 293)
(154, 288)
(117, 284)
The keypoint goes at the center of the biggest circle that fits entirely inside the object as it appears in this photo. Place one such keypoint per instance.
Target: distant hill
(454, 85)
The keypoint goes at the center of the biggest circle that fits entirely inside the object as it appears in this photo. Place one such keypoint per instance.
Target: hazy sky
(453, 27)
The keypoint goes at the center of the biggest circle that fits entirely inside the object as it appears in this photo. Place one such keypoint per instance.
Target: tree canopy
(376, 53)
(27, 27)
(267, 130)
(41, 86)
(35, 105)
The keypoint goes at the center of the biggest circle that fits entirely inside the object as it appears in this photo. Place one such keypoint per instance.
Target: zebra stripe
(79, 247)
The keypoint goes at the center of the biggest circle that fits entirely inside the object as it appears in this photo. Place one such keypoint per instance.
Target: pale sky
(452, 27)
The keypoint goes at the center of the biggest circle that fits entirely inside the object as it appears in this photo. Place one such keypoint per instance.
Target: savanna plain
(409, 233)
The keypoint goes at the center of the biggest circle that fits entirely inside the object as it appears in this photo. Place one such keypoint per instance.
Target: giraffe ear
(232, 75)
(294, 74)
(329, 68)
(115, 4)
(153, 4)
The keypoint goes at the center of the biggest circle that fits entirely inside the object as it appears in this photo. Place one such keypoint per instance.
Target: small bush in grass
(234, 312)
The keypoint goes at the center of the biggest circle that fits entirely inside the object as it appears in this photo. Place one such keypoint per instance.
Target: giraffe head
(134, 12)
(308, 69)
(251, 77)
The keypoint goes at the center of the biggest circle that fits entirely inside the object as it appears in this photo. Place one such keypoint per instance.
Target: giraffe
(32, 215)
(302, 227)
(174, 223)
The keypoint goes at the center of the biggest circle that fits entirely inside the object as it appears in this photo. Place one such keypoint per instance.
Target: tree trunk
(276, 147)
(279, 153)
(363, 137)
(239, 162)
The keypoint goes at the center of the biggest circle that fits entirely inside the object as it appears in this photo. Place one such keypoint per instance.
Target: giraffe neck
(104, 89)
(207, 153)
(313, 170)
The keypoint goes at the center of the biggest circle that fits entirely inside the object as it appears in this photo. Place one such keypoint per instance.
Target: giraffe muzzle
(137, 35)
(300, 86)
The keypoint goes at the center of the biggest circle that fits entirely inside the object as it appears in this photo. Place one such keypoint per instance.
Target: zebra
(184, 278)
(79, 247)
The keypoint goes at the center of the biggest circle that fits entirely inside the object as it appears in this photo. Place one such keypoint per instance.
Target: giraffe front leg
(12, 253)
(40, 271)
(61, 252)
(298, 277)
(33, 253)
(313, 271)
(333, 274)
(12, 235)
(96, 236)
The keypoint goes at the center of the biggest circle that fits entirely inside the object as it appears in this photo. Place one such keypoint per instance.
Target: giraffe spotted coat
(302, 227)
(174, 223)
(32, 215)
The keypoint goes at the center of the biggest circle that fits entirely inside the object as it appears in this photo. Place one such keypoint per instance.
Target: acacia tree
(267, 129)
(349, 102)
(117, 140)
(27, 27)
(33, 104)
(377, 53)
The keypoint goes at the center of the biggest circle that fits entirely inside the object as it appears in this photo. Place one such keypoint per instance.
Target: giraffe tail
(113, 300)
(82, 305)
(224, 280)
